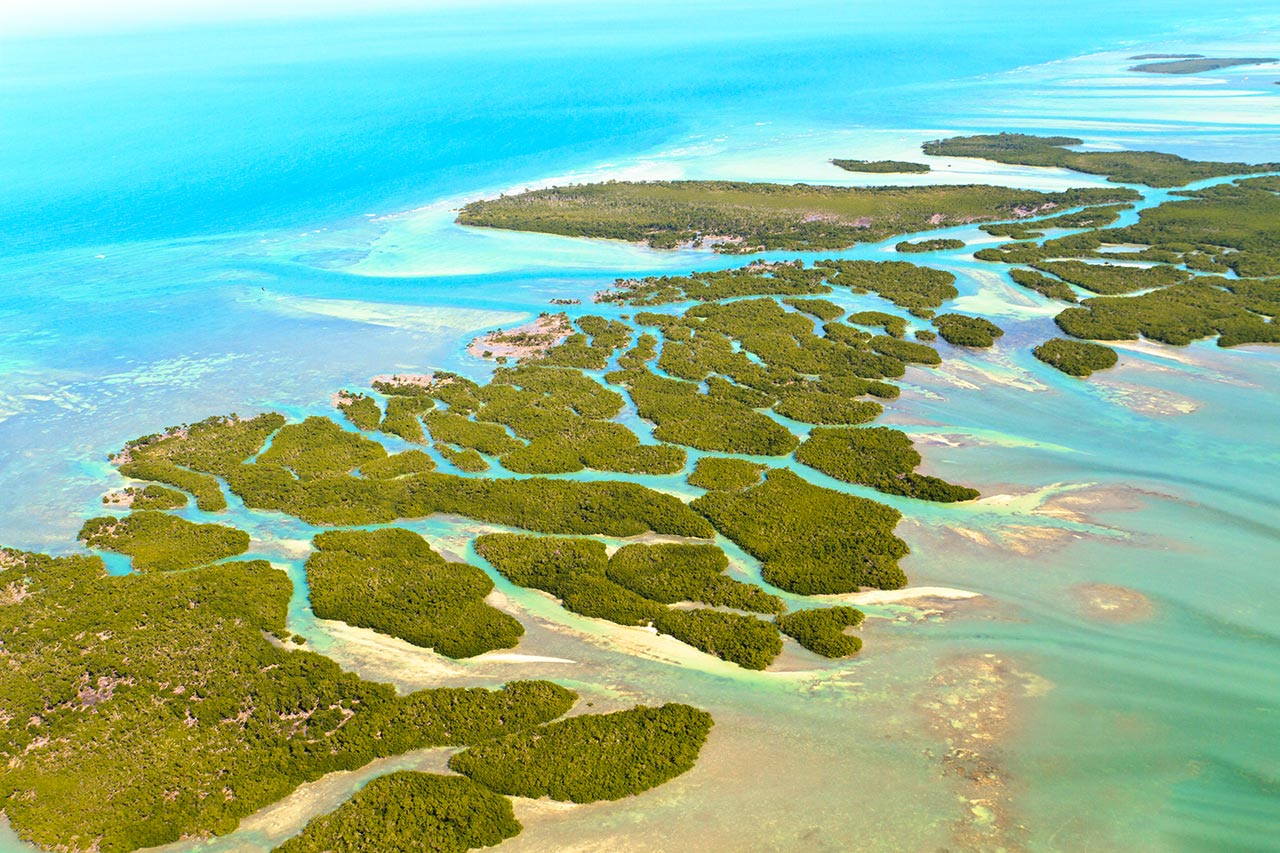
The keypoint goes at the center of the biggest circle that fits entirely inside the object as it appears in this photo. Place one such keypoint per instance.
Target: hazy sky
(24, 17)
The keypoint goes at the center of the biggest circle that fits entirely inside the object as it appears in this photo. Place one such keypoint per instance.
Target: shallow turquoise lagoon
(249, 217)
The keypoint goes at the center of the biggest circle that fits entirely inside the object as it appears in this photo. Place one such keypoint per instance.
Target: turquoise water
(249, 217)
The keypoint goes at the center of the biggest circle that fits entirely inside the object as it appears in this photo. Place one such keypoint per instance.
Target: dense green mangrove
(1227, 228)
(906, 352)
(544, 420)
(882, 166)
(916, 288)
(1089, 217)
(1196, 64)
(635, 586)
(572, 570)
(1137, 167)
(402, 417)
(737, 217)
(911, 286)
(893, 325)
(465, 459)
(205, 488)
(187, 457)
(759, 278)
(1232, 224)
(1043, 284)
(138, 710)
(1076, 358)
(964, 331)
(398, 465)
(940, 244)
(318, 448)
(308, 472)
(591, 350)
(591, 757)
(820, 308)
(749, 642)
(1231, 309)
(159, 542)
(810, 540)
(727, 475)
(1108, 279)
(817, 407)
(822, 630)
(460, 430)
(361, 409)
(879, 457)
(392, 581)
(683, 415)
(671, 573)
(148, 497)
(406, 812)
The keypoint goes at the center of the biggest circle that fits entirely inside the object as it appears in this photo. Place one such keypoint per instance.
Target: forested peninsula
(740, 218)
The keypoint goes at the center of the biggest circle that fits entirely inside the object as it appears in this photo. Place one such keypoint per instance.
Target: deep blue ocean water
(196, 220)
(135, 136)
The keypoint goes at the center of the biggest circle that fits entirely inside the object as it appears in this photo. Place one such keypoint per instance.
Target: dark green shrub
(730, 475)
(159, 542)
(810, 540)
(939, 245)
(591, 757)
(821, 630)
(1130, 167)
(879, 457)
(1076, 358)
(406, 812)
(964, 331)
(672, 573)
(749, 642)
(391, 580)
(361, 409)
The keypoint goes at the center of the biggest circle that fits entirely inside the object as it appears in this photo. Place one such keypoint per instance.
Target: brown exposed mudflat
(1024, 539)
(1110, 603)
(424, 381)
(531, 339)
(972, 705)
(1092, 503)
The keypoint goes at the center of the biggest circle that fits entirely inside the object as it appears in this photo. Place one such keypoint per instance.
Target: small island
(965, 331)
(1076, 358)
(904, 167)
(938, 245)
(1193, 64)
(823, 631)
(159, 542)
